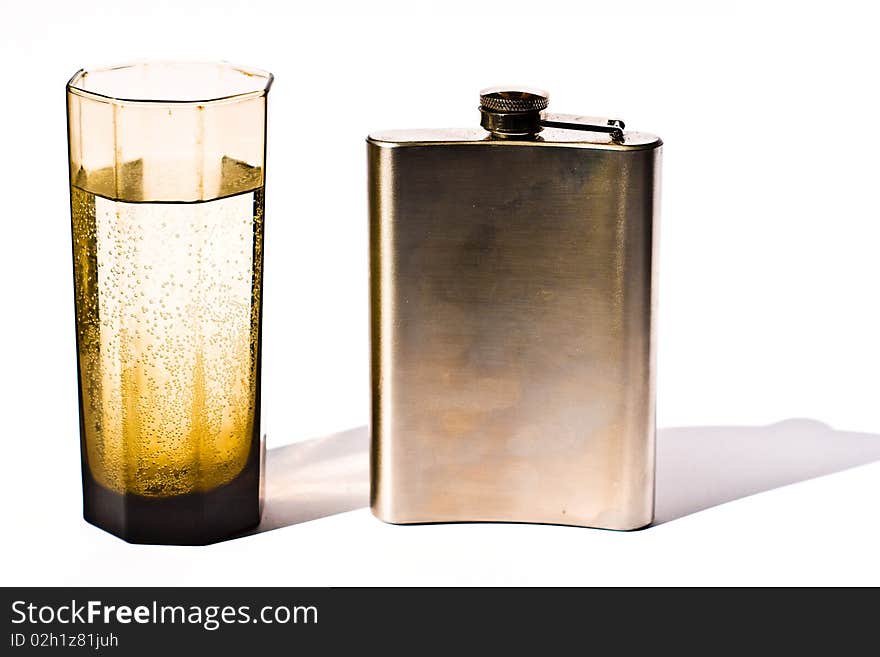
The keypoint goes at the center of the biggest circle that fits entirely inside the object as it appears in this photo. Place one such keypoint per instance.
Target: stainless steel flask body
(512, 325)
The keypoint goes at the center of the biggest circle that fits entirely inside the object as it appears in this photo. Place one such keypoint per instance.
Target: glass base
(192, 519)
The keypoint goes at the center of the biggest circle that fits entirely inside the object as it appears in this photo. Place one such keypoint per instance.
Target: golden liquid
(168, 321)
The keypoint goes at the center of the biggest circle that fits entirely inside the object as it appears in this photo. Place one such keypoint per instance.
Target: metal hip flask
(512, 319)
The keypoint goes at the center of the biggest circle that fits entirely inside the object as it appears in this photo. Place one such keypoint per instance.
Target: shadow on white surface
(697, 468)
(316, 478)
(702, 467)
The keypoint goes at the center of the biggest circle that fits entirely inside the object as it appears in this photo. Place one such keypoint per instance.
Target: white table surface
(790, 503)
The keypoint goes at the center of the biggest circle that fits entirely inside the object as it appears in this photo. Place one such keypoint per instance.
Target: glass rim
(249, 71)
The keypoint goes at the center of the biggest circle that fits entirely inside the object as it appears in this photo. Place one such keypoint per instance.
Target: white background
(770, 281)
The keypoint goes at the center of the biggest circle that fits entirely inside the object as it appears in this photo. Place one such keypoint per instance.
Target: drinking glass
(167, 170)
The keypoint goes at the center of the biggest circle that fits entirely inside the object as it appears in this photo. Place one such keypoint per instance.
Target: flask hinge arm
(612, 127)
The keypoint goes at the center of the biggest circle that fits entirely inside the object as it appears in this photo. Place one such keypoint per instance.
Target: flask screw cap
(512, 111)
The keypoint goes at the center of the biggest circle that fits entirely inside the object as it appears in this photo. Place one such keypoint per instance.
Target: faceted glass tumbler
(167, 167)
